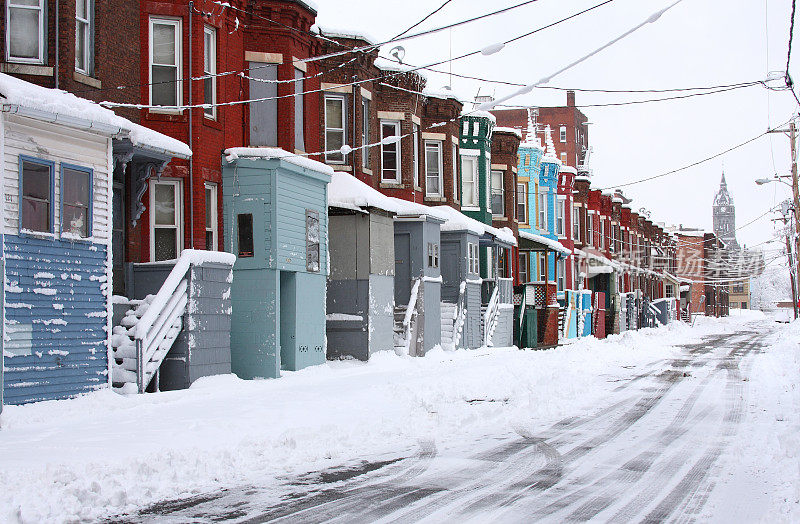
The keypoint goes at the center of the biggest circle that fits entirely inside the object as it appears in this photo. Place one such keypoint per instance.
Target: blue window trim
(52, 166)
(89, 171)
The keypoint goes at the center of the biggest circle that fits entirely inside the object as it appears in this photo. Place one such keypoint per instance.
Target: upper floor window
(523, 267)
(390, 152)
(212, 223)
(469, 181)
(25, 28)
(560, 205)
(562, 133)
(210, 71)
(165, 62)
(576, 229)
(522, 203)
(335, 117)
(36, 195)
(415, 140)
(563, 158)
(365, 132)
(455, 173)
(473, 259)
(433, 168)
(83, 36)
(498, 194)
(543, 210)
(299, 110)
(76, 201)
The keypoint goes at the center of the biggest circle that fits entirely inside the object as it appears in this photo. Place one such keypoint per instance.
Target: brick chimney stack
(570, 98)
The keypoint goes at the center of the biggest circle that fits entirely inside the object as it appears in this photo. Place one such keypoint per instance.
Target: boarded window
(312, 241)
(299, 113)
(264, 113)
(244, 227)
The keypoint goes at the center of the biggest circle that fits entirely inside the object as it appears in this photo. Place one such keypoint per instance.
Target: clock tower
(725, 216)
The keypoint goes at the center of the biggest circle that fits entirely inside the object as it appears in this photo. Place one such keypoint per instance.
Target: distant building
(733, 257)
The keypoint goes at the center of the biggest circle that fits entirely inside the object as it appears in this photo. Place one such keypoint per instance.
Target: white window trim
(473, 178)
(365, 103)
(178, 210)
(42, 21)
(437, 144)
(543, 225)
(214, 215)
(87, 55)
(212, 32)
(414, 138)
(561, 212)
(455, 173)
(523, 255)
(524, 194)
(501, 192)
(398, 151)
(343, 129)
(562, 134)
(178, 61)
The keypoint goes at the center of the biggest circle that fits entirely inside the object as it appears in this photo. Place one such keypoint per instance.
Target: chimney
(570, 98)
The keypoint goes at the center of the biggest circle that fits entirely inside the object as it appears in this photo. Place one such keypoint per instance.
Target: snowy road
(654, 449)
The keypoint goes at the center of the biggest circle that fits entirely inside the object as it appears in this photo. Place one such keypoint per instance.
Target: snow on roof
(389, 65)
(569, 169)
(509, 130)
(17, 92)
(270, 153)
(478, 113)
(458, 221)
(348, 33)
(555, 245)
(444, 93)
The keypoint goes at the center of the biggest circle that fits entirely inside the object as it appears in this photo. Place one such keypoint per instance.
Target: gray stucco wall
(381, 313)
(472, 337)
(504, 332)
(203, 347)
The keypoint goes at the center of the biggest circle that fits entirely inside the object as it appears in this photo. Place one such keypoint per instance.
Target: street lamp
(775, 178)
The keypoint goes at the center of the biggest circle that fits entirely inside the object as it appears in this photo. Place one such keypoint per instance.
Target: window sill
(392, 185)
(26, 69)
(340, 167)
(366, 171)
(434, 198)
(86, 80)
(168, 112)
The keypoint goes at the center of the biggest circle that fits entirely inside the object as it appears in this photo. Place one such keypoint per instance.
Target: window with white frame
(590, 230)
(299, 110)
(212, 227)
(165, 62)
(524, 276)
(335, 119)
(543, 209)
(560, 222)
(576, 223)
(562, 133)
(210, 71)
(36, 195)
(563, 158)
(433, 254)
(390, 152)
(455, 172)
(83, 36)
(498, 194)
(469, 181)
(561, 272)
(433, 168)
(76, 200)
(522, 203)
(365, 132)
(166, 203)
(473, 259)
(415, 160)
(25, 28)
(602, 234)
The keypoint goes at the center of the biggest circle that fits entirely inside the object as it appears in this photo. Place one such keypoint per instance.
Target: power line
(423, 20)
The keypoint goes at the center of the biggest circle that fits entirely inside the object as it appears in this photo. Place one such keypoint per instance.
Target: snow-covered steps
(448, 323)
(399, 330)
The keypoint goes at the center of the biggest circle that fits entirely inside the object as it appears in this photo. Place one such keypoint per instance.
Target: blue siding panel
(55, 309)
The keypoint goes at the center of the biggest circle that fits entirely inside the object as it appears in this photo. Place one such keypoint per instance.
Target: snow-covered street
(672, 423)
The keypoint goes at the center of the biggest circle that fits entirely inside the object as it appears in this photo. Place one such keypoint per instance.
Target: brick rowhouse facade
(505, 148)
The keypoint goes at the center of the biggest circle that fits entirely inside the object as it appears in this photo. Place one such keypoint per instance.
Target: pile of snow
(270, 153)
(16, 92)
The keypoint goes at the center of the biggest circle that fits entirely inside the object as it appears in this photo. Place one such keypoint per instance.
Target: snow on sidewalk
(104, 454)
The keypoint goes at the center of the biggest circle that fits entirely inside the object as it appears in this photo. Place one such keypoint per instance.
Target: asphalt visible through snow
(649, 454)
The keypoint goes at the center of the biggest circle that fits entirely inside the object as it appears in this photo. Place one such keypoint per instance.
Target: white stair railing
(409, 320)
(460, 315)
(490, 317)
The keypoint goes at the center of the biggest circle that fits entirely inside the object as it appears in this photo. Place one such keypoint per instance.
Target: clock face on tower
(723, 209)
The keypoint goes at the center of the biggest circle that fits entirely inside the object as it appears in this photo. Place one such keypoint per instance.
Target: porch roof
(548, 243)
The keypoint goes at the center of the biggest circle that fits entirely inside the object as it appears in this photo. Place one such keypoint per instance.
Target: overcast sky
(696, 43)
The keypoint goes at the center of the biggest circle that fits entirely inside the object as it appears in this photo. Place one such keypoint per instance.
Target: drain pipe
(57, 59)
(191, 133)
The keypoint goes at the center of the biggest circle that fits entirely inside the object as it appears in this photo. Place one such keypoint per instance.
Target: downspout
(57, 57)
(191, 134)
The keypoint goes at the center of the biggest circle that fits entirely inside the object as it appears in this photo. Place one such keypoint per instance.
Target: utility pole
(791, 260)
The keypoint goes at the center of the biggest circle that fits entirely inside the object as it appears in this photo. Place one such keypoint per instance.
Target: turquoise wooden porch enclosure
(276, 220)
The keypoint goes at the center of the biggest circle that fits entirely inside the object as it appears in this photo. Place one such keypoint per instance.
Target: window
(365, 132)
(76, 201)
(562, 133)
(564, 158)
(212, 222)
(36, 195)
(590, 230)
(165, 62)
(455, 173)
(390, 152)
(312, 241)
(669, 290)
(433, 168)
(209, 70)
(561, 270)
(473, 264)
(498, 194)
(25, 29)
(83, 36)
(602, 234)
(576, 223)
(543, 210)
(433, 254)
(560, 231)
(334, 129)
(524, 276)
(166, 237)
(522, 203)
(244, 226)
(299, 111)
(469, 181)
(415, 138)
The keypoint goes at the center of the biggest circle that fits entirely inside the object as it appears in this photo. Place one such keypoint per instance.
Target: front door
(402, 268)
(452, 265)
(118, 238)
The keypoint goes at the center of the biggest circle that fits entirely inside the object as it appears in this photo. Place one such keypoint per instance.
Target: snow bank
(269, 153)
(129, 451)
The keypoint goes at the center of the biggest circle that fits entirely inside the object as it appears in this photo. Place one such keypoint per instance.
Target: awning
(543, 243)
